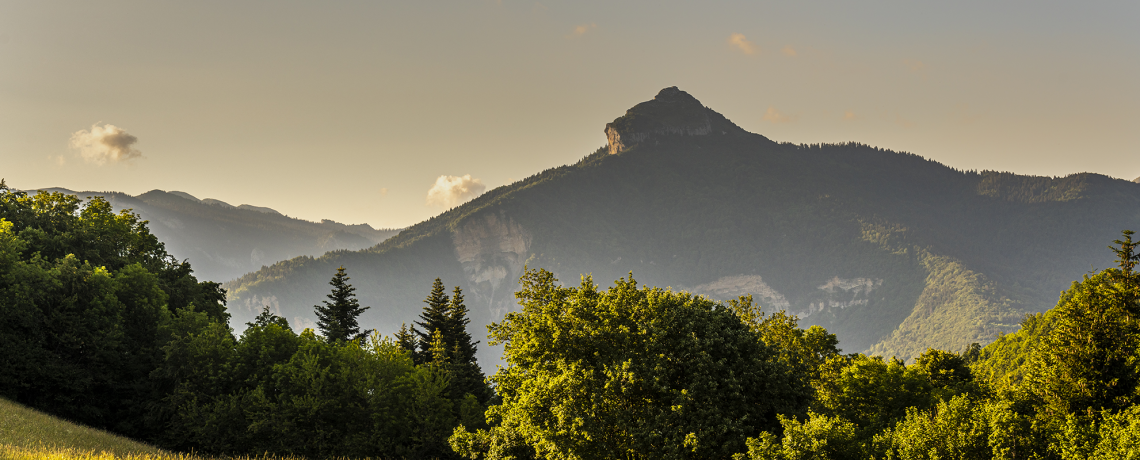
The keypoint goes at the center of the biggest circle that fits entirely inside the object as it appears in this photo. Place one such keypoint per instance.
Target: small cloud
(59, 160)
(741, 42)
(789, 51)
(582, 29)
(849, 115)
(103, 144)
(383, 192)
(775, 116)
(451, 191)
(915, 66)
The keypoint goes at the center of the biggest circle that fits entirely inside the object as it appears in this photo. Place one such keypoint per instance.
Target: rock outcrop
(492, 250)
(671, 113)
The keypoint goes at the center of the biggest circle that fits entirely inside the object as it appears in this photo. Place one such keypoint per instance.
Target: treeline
(649, 373)
(98, 324)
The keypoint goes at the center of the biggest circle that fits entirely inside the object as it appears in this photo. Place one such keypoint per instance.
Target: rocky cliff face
(492, 250)
(671, 113)
(835, 293)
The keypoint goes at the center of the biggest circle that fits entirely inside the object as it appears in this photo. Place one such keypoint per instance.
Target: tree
(873, 393)
(629, 373)
(434, 316)
(406, 338)
(467, 376)
(1087, 362)
(337, 318)
(86, 295)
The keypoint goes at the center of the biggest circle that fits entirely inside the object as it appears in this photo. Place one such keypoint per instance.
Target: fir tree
(336, 319)
(434, 317)
(467, 377)
(406, 339)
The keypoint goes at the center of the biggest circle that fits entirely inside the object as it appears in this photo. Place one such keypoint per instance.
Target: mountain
(223, 241)
(891, 251)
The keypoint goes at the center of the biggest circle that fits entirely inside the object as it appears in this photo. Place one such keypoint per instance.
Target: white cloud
(742, 42)
(451, 191)
(103, 144)
(789, 51)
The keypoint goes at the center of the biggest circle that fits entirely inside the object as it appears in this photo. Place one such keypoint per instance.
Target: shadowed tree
(337, 318)
(434, 317)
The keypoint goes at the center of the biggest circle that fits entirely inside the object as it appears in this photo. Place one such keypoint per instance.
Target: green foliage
(85, 294)
(874, 394)
(1104, 437)
(818, 438)
(445, 341)
(276, 391)
(804, 351)
(629, 373)
(337, 318)
(960, 428)
(1088, 361)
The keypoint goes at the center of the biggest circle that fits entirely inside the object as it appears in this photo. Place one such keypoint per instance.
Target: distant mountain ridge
(891, 251)
(223, 241)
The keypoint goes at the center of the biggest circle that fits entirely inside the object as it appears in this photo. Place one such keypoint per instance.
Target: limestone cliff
(492, 250)
(671, 113)
(835, 293)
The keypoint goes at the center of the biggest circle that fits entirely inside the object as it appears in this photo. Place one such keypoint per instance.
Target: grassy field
(26, 434)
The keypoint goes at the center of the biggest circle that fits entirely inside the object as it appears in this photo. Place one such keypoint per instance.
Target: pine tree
(337, 318)
(438, 350)
(434, 317)
(406, 338)
(467, 377)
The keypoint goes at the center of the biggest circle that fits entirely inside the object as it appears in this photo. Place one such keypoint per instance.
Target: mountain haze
(891, 251)
(223, 241)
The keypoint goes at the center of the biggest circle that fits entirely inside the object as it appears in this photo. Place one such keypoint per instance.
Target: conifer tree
(433, 317)
(406, 338)
(337, 318)
(438, 350)
(467, 377)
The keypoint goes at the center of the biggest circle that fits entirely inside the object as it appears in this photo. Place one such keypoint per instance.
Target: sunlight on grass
(27, 434)
(10, 452)
(24, 428)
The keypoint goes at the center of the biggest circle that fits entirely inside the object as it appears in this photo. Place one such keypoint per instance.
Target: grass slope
(27, 434)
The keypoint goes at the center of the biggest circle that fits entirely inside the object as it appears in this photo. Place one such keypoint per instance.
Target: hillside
(21, 427)
(223, 241)
(891, 251)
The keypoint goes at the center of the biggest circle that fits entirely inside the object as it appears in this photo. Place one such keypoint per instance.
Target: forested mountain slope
(891, 251)
(223, 241)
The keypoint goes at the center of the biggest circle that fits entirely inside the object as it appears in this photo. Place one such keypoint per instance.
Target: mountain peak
(672, 112)
(1136, 180)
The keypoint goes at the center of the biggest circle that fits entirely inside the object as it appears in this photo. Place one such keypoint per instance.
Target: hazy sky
(353, 110)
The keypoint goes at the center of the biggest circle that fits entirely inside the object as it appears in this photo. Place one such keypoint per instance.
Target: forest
(100, 325)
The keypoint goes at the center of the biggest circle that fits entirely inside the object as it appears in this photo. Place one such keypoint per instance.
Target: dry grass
(27, 434)
(27, 430)
(10, 452)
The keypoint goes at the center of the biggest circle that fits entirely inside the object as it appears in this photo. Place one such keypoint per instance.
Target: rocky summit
(671, 113)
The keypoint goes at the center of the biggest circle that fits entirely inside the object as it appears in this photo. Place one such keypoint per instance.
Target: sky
(388, 112)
